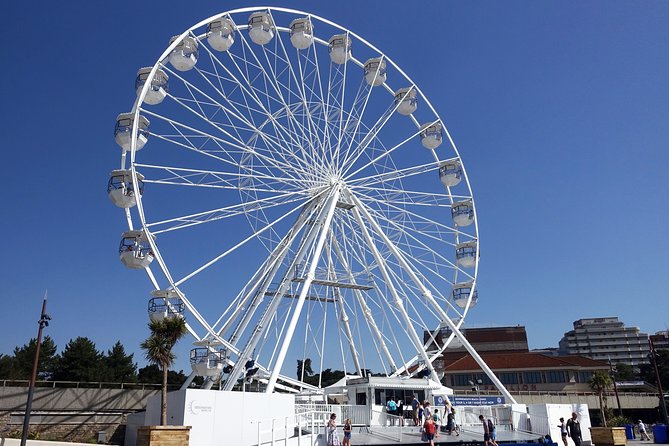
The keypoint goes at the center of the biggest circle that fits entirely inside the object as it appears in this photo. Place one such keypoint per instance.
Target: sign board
(476, 400)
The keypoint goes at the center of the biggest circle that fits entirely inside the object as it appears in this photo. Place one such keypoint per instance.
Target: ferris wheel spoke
(405, 197)
(237, 246)
(448, 230)
(274, 78)
(378, 158)
(211, 178)
(275, 145)
(407, 232)
(392, 175)
(212, 215)
(282, 131)
(220, 143)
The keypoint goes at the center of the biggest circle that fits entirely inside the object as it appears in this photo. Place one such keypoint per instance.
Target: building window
(532, 378)
(556, 377)
(508, 378)
(461, 380)
(583, 377)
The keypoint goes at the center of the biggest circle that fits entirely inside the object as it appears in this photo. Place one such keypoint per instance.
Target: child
(437, 421)
(347, 432)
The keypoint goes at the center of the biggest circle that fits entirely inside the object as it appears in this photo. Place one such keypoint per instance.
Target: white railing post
(285, 432)
(273, 420)
(259, 433)
(312, 427)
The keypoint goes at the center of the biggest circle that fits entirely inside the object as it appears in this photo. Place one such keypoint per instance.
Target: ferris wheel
(293, 194)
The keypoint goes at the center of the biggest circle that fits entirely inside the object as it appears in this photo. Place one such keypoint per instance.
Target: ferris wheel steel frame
(319, 208)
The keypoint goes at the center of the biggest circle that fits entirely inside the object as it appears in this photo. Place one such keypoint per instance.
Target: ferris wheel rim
(140, 98)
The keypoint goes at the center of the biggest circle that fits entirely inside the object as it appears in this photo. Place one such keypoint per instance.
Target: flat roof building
(604, 338)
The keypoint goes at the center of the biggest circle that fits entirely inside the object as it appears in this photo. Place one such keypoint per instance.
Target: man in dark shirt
(574, 429)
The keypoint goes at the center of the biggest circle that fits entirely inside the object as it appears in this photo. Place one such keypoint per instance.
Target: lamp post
(653, 358)
(615, 389)
(43, 322)
(477, 388)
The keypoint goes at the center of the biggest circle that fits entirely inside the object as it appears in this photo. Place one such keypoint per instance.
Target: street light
(653, 357)
(43, 322)
(476, 387)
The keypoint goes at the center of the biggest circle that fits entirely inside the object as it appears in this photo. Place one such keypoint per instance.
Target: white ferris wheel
(291, 191)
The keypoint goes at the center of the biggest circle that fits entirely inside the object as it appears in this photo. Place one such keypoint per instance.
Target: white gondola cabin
(205, 360)
(431, 135)
(339, 47)
(184, 56)
(123, 131)
(463, 213)
(261, 28)
(450, 173)
(461, 292)
(221, 34)
(165, 304)
(159, 85)
(301, 33)
(135, 250)
(465, 254)
(375, 71)
(121, 189)
(406, 100)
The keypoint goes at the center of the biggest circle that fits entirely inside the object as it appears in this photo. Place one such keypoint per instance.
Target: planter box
(163, 435)
(608, 436)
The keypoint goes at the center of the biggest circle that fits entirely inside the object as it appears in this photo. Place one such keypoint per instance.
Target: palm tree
(158, 350)
(600, 382)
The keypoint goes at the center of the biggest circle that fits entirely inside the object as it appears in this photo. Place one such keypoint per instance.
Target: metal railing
(359, 415)
(85, 385)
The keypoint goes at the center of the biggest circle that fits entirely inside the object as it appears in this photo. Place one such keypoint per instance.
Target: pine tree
(24, 358)
(79, 361)
(119, 367)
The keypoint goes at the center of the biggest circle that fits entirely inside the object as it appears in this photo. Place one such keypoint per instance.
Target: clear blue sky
(560, 110)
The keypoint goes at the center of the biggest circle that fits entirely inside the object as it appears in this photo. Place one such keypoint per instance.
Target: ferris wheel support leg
(270, 310)
(188, 381)
(428, 295)
(325, 225)
(396, 298)
(342, 312)
(279, 255)
(366, 311)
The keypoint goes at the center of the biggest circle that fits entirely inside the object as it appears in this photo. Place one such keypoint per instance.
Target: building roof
(524, 361)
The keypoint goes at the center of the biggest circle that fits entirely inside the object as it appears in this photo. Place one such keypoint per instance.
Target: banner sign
(476, 400)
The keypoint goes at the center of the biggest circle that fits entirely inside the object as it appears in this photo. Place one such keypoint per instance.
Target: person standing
(391, 409)
(429, 429)
(488, 428)
(642, 431)
(574, 429)
(563, 431)
(414, 410)
(400, 411)
(347, 432)
(333, 437)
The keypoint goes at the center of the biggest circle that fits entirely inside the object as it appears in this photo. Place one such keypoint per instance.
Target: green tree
(7, 367)
(158, 350)
(648, 371)
(624, 372)
(304, 366)
(600, 382)
(24, 358)
(119, 367)
(151, 374)
(79, 361)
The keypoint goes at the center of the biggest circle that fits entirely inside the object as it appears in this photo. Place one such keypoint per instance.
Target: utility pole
(43, 322)
(615, 389)
(653, 358)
